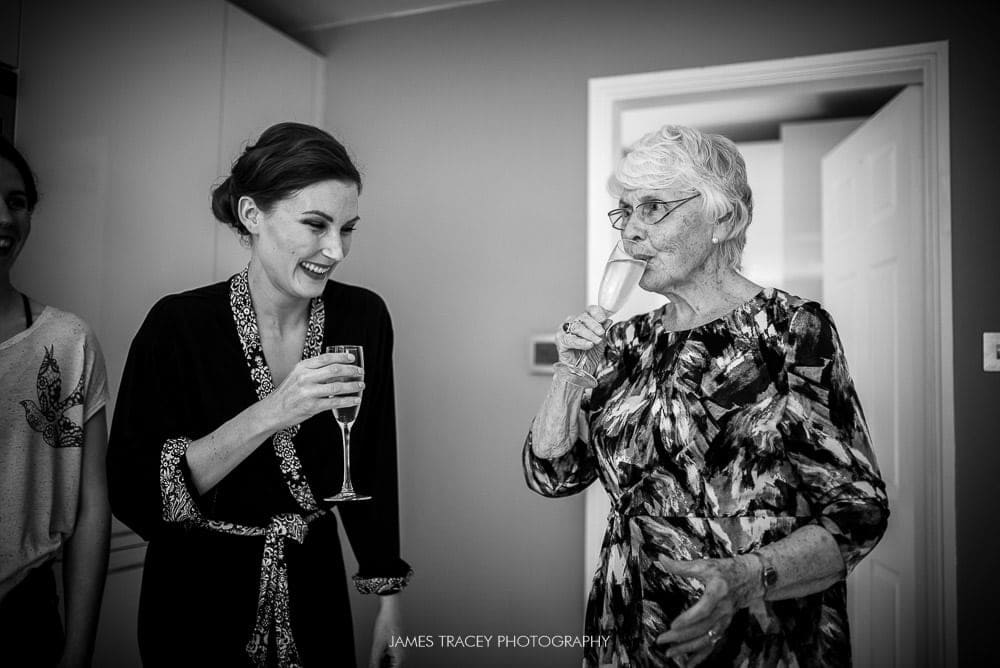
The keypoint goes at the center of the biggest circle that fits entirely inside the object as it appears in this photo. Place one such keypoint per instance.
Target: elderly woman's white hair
(679, 157)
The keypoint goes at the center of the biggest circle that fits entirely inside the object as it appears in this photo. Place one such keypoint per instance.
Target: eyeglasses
(648, 213)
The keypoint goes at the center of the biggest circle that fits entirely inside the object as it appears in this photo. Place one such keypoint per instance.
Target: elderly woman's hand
(730, 585)
(581, 333)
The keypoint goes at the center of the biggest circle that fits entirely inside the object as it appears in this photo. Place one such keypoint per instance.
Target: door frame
(925, 64)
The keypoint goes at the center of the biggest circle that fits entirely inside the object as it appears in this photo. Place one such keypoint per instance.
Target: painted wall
(471, 126)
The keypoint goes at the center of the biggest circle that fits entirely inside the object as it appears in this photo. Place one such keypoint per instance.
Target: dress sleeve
(149, 485)
(827, 439)
(372, 527)
(566, 475)
(574, 471)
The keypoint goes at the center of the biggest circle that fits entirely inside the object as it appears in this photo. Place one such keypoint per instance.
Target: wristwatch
(768, 576)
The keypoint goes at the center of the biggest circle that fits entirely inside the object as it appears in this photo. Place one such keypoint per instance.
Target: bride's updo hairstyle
(286, 158)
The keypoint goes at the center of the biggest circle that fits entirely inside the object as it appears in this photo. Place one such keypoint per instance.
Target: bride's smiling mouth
(316, 270)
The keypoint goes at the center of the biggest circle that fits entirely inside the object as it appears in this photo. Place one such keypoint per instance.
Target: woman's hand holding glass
(621, 275)
(314, 385)
(580, 334)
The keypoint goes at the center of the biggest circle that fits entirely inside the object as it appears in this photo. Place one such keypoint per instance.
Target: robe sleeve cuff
(382, 586)
(177, 493)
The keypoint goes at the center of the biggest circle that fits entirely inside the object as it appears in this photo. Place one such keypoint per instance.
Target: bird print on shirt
(48, 415)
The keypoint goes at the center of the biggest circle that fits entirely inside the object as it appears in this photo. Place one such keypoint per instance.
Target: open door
(873, 266)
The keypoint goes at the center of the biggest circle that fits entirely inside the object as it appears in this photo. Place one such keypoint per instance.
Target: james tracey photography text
(500, 641)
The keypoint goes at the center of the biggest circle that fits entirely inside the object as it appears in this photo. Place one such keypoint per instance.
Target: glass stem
(345, 432)
(591, 355)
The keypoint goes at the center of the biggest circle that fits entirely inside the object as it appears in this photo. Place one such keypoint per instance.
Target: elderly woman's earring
(715, 240)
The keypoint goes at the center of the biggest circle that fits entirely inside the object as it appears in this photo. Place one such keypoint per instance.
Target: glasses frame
(619, 217)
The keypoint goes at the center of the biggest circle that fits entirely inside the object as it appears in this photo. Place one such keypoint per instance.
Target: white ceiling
(299, 16)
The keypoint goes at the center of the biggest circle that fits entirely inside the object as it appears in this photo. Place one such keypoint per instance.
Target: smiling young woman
(53, 435)
(223, 443)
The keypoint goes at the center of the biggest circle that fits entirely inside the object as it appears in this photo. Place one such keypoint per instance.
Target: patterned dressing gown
(712, 442)
(250, 573)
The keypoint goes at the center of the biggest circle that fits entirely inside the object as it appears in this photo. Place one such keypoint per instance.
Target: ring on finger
(568, 326)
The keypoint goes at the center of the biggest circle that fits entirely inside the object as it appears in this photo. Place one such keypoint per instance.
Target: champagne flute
(345, 416)
(621, 274)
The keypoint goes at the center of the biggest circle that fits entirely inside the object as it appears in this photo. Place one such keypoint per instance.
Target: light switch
(991, 351)
(542, 353)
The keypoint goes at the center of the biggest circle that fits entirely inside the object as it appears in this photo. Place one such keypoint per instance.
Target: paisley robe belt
(272, 594)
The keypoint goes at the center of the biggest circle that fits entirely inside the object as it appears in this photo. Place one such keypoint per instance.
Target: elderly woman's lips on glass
(635, 249)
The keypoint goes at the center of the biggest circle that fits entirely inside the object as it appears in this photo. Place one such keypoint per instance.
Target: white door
(873, 265)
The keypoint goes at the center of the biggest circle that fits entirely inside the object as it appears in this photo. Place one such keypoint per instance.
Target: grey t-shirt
(52, 380)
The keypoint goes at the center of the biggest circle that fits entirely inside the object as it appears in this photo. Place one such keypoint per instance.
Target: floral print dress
(712, 442)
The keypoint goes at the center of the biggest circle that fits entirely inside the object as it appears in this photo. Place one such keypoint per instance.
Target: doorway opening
(786, 115)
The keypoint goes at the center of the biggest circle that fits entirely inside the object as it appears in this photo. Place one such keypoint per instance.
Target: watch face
(770, 576)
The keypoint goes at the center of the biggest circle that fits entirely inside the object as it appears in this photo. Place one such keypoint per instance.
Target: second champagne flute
(345, 416)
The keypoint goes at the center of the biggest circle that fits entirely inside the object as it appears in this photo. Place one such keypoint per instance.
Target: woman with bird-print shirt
(53, 436)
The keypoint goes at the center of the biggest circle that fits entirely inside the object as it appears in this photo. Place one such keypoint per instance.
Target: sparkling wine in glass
(345, 416)
(621, 274)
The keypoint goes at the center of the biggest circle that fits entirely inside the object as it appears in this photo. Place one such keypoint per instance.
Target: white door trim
(926, 64)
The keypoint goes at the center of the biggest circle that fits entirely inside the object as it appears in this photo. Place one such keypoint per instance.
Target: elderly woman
(726, 430)
(224, 445)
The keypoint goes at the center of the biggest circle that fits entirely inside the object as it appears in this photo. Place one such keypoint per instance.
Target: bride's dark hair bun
(286, 158)
(222, 206)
